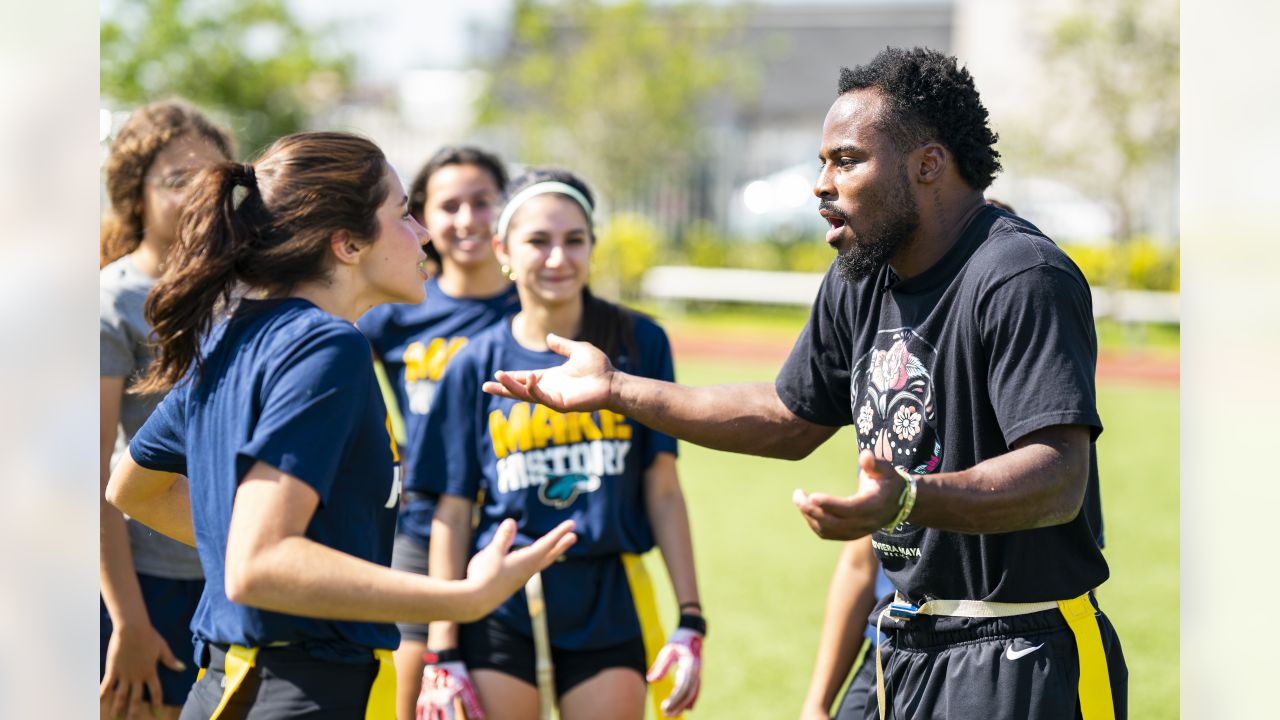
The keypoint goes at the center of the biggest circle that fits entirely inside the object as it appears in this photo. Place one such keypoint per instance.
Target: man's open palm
(582, 383)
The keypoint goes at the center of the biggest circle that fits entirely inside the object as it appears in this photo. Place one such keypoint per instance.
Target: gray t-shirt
(123, 352)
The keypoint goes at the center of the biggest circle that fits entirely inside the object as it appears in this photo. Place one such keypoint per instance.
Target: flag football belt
(646, 603)
(1095, 683)
(240, 660)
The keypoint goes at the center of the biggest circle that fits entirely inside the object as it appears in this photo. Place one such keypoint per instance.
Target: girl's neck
(149, 257)
(332, 296)
(531, 325)
(481, 281)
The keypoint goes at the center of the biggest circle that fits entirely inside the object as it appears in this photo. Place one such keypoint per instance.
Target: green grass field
(764, 574)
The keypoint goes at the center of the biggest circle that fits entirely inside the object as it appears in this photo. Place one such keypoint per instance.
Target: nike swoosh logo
(1012, 654)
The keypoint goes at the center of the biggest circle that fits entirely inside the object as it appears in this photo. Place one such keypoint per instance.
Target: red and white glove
(447, 693)
(684, 651)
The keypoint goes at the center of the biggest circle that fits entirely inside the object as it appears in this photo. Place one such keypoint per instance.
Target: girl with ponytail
(614, 478)
(275, 416)
(150, 584)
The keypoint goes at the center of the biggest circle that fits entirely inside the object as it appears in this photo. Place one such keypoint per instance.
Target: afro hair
(928, 97)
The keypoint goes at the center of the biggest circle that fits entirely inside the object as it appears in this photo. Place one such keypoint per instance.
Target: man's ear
(345, 248)
(929, 162)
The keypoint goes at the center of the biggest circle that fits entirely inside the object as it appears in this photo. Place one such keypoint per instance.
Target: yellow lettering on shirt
(525, 427)
(512, 433)
(428, 362)
(614, 426)
(540, 427)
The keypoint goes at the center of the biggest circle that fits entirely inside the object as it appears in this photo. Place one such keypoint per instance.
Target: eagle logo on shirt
(561, 490)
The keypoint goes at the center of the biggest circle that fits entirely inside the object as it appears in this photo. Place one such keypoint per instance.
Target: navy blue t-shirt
(415, 343)
(290, 385)
(947, 369)
(542, 467)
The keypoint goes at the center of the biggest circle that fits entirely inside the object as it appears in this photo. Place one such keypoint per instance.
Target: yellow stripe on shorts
(382, 696)
(1095, 682)
(650, 626)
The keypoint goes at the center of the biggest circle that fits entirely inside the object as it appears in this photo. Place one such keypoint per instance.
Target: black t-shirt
(947, 369)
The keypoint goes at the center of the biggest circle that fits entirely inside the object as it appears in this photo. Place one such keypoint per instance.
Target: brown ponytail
(267, 225)
(147, 131)
(609, 327)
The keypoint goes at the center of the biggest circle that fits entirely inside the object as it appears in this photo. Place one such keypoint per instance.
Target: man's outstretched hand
(849, 518)
(582, 383)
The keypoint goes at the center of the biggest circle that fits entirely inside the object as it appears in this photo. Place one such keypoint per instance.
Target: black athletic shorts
(1025, 667)
(409, 555)
(284, 682)
(491, 645)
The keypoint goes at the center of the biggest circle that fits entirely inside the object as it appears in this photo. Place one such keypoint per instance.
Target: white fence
(679, 283)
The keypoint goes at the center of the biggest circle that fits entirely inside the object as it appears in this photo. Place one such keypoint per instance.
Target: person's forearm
(159, 500)
(669, 518)
(299, 576)
(447, 560)
(116, 574)
(747, 418)
(850, 598)
(1040, 484)
(167, 512)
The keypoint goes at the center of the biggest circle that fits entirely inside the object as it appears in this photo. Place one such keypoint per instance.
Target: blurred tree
(1120, 60)
(616, 88)
(248, 61)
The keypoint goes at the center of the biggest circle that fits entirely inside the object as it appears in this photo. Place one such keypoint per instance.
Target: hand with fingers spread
(582, 383)
(683, 651)
(447, 692)
(497, 573)
(847, 518)
(132, 657)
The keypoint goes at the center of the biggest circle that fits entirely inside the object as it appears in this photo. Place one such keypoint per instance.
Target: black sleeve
(814, 381)
(1037, 331)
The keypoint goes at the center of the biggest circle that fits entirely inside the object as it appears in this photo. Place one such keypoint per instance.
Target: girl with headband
(455, 196)
(616, 479)
(150, 584)
(275, 416)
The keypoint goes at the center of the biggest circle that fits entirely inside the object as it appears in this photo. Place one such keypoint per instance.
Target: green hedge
(1140, 264)
(630, 244)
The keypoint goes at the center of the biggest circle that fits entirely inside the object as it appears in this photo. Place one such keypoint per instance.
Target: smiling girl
(614, 478)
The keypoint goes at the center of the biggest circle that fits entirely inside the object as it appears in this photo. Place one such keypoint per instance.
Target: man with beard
(959, 341)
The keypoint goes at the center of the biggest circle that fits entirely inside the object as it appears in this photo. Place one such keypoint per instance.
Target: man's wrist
(906, 500)
(613, 396)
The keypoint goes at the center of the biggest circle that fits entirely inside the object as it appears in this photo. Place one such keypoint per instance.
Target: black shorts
(491, 645)
(1025, 667)
(409, 555)
(285, 683)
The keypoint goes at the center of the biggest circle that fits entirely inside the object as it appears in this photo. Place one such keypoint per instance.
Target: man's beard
(884, 236)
